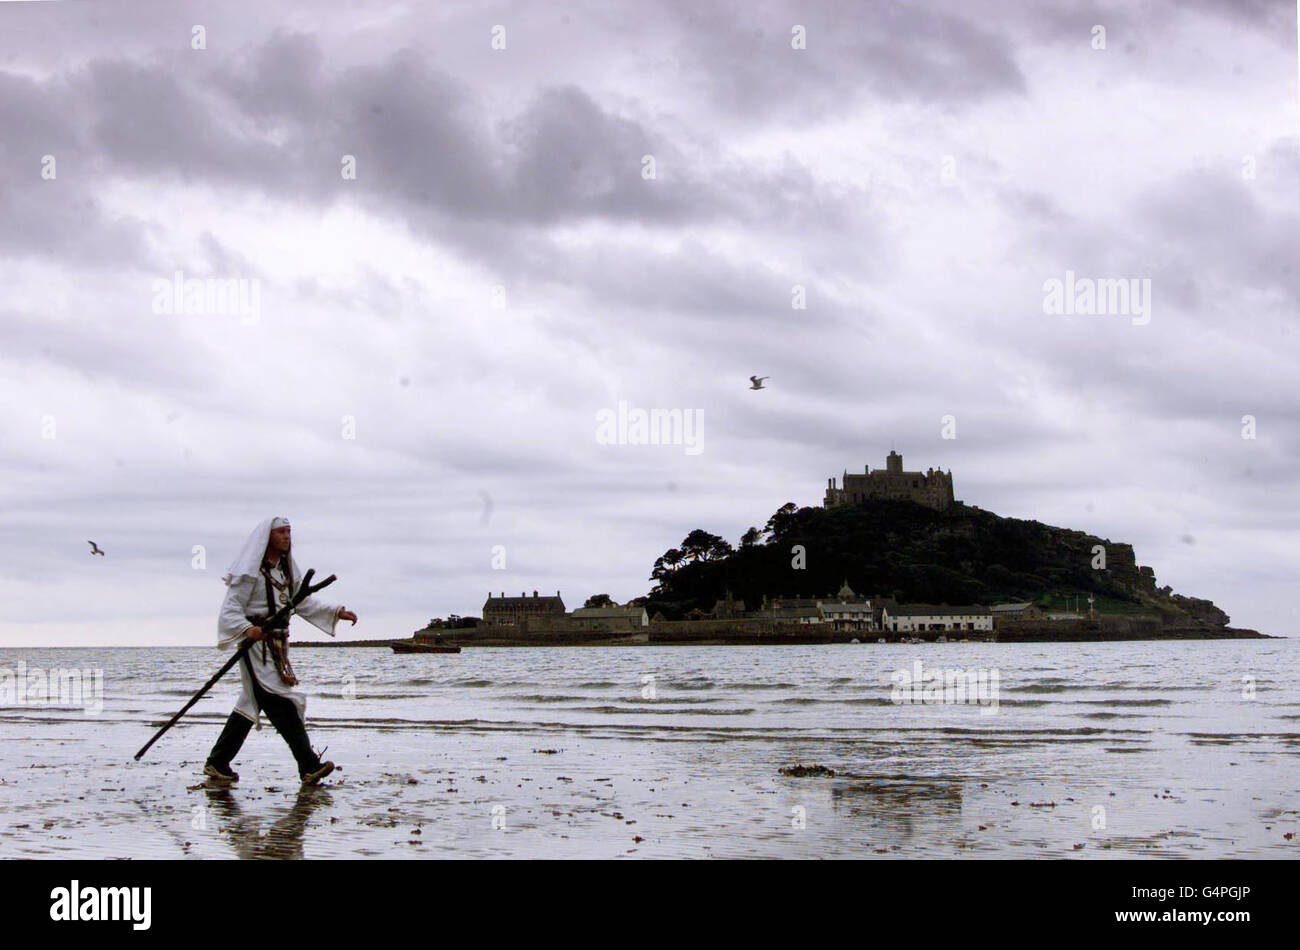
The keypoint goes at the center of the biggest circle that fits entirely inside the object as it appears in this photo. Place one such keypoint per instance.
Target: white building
(847, 616)
(912, 618)
(846, 610)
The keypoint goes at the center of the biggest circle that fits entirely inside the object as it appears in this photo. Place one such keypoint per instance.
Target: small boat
(420, 646)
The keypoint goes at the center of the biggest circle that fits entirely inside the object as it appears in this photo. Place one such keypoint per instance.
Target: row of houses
(845, 610)
(848, 611)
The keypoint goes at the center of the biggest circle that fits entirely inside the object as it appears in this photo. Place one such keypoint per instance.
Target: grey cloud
(61, 216)
(102, 351)
(1235, 241)
(1275, 18)
(278, 121)
(894, 52)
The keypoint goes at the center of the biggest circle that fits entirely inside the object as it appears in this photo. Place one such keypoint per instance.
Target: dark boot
(311, 778)
(221, 773)
(284, 716)
(227, 747)
(295, 733)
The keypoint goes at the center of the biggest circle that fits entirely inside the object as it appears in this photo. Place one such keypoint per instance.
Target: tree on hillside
(666, 565)
(781, 520)
(699, 545)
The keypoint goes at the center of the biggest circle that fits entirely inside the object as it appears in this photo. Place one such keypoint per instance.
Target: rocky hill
(914, 554)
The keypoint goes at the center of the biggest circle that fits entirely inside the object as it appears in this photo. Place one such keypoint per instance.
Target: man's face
(278, 543)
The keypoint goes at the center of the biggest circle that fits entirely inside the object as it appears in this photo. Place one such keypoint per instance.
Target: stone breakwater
(1118, 628)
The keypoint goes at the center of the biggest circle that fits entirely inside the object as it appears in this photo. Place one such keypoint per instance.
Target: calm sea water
(1160, 749)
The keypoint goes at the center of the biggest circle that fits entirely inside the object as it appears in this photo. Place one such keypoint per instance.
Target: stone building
(781, 600)
(932, 488)
(1010, 613)
(512, 610)
(843, 610)
(610, 619)
(792, 613)
(728, 608)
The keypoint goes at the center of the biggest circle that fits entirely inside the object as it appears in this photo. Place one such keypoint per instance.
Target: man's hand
(253, 633)
(345, 614)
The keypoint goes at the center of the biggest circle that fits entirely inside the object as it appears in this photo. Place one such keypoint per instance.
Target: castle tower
(932, 488)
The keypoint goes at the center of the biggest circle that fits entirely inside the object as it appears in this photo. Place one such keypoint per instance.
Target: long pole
(197, 696)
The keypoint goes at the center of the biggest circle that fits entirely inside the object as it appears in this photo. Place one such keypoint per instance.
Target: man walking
(260, 580)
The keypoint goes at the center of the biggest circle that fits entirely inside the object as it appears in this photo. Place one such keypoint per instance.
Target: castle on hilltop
(932, 488)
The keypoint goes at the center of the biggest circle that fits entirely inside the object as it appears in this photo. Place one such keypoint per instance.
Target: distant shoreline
(587, 639)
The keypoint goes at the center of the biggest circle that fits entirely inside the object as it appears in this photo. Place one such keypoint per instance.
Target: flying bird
(94, 549)
(756, 382)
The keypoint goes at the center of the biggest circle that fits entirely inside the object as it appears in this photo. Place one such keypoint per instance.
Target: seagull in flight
(94, 549)
(756, 382)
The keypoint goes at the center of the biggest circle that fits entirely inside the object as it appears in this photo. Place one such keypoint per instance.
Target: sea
(1082, 751)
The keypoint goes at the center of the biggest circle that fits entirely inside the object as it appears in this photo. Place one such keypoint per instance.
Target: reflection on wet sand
(283, 840)
(899, 802)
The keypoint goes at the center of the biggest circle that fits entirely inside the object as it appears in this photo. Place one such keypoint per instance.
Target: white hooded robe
(245, 596)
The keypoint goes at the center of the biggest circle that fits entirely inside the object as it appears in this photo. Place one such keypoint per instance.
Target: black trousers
(283, 715)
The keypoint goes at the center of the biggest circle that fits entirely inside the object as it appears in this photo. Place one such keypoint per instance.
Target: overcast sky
(503, 267)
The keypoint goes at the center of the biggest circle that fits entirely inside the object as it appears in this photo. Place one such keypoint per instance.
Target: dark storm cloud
(741, 55)
(146, 121)
(280, 122)
(58, 216)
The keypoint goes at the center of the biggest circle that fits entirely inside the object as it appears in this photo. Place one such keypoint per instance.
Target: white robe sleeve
(231, 622)
(319, 614)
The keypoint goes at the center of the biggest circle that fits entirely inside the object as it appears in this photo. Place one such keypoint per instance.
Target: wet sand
(1117, 750)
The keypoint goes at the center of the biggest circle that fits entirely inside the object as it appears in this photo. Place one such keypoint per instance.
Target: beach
(1159, 749)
